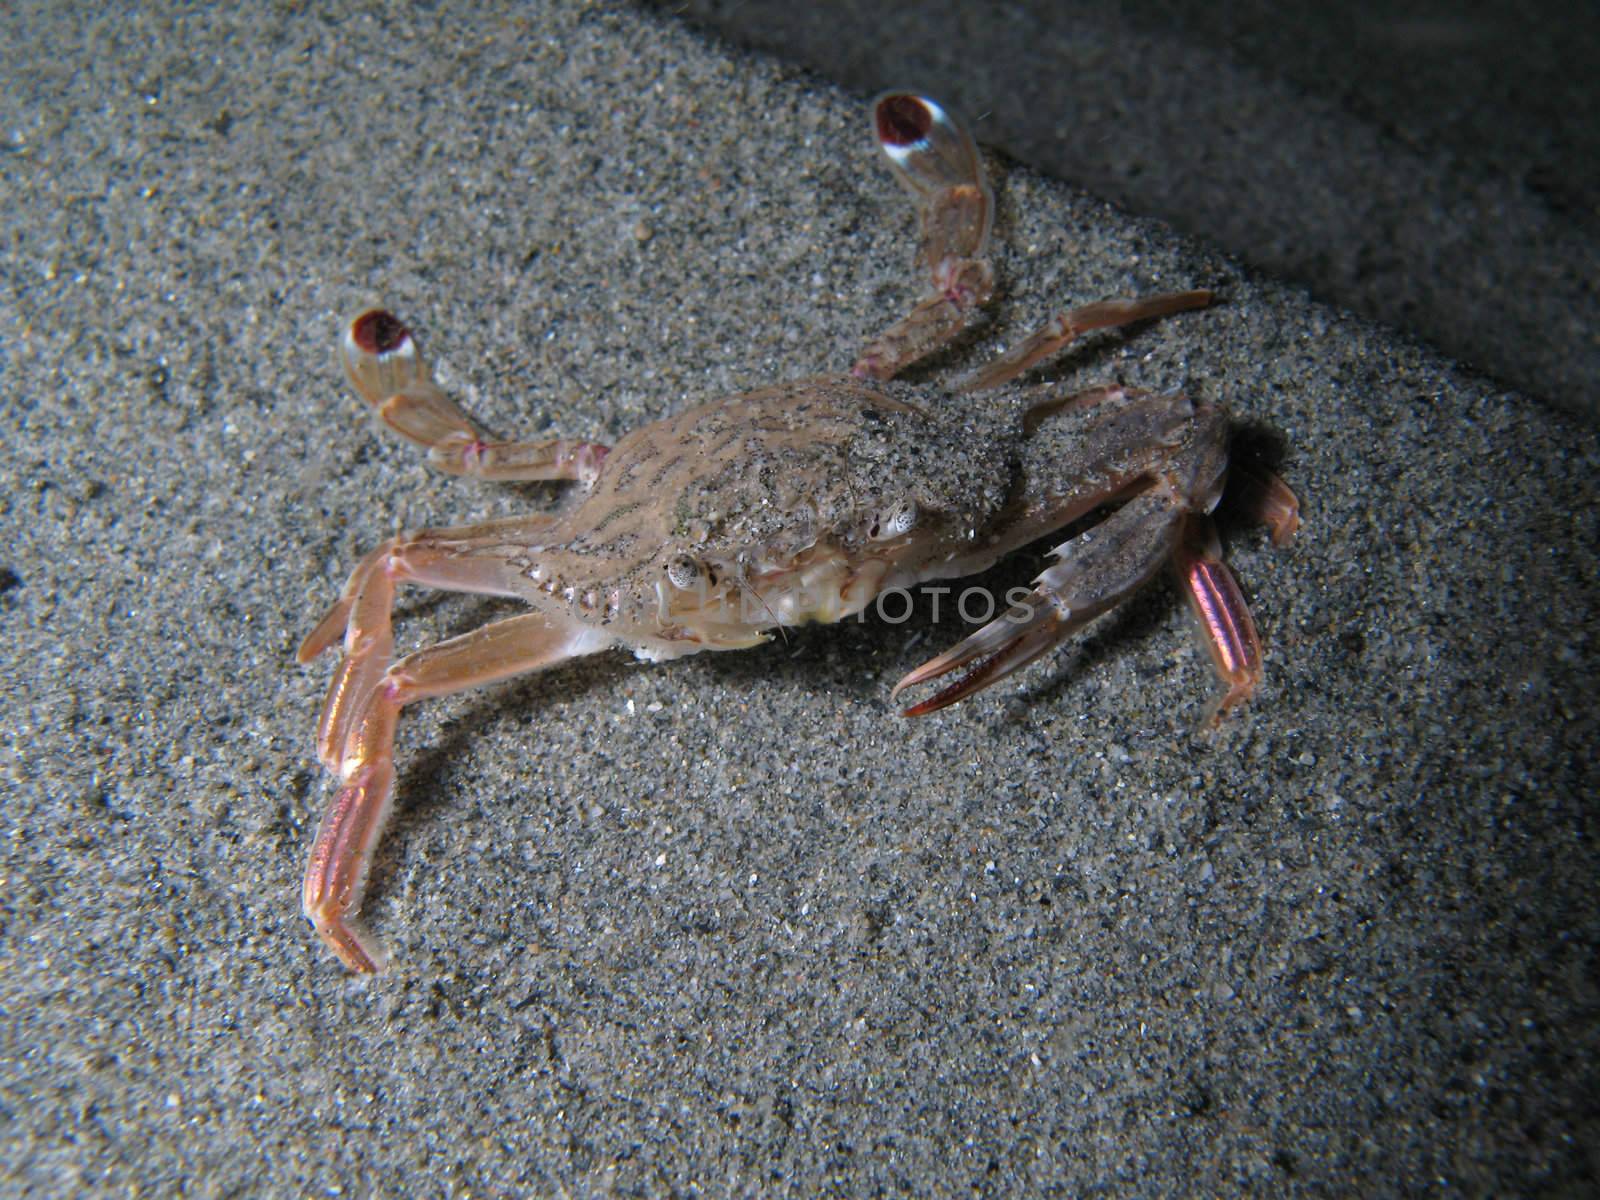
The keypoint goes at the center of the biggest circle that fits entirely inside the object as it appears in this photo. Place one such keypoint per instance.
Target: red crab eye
(928, 151)
(903, 120)
(378, 332)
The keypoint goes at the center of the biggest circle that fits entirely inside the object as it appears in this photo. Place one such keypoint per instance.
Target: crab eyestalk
(385, 366)
(935, 159)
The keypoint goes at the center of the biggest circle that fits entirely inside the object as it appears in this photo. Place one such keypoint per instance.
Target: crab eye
(898, 520)
(902, 518)
(683, 572)
(928, 151)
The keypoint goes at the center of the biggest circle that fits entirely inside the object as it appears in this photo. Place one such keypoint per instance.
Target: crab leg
(342, 854)
(1123, 437)
(1214, 597)
(1062, 329)
(383, 363)
(463, 559)
(419, 558)
(1224, 619)
(936, 161)
(1268, 499)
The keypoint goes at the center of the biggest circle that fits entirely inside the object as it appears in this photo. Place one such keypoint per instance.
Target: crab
(801, 502)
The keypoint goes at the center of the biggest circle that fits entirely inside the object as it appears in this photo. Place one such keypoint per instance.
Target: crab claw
(1096, 571)
(1006, 644)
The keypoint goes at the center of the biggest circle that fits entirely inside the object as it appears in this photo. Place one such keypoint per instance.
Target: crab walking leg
(342, 854)
(1043, 407)
(936, 161)
(463, 559)
(1096, 571)
(1062, 329)
(368, 649)
(1224, 619)
(1267, 498)
(418, 558)
(385, 367)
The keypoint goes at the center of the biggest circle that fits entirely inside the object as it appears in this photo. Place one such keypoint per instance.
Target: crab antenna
(751, 588)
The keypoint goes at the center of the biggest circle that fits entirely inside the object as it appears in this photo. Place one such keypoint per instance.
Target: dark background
(1433, 165)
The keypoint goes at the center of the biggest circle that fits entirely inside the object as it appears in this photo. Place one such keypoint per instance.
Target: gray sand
(730, 925)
